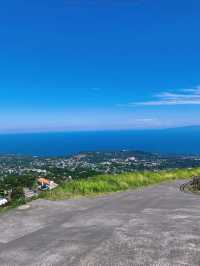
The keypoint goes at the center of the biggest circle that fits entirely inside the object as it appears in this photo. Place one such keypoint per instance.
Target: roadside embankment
(103, 184)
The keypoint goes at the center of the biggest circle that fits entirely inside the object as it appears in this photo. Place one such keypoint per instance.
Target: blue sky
(95, 65)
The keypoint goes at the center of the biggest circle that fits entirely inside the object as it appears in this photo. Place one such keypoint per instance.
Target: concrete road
(158, 225)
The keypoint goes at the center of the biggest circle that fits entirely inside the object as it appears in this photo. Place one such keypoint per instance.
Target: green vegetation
(13, 204)
(11, 187)
(111, 183)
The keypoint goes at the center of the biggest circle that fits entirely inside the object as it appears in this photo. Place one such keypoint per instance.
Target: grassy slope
(112, 183)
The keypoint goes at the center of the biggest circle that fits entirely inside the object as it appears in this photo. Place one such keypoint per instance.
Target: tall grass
(111, 183)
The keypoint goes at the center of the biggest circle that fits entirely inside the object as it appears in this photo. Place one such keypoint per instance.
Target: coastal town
(89, 163)
(25, 177)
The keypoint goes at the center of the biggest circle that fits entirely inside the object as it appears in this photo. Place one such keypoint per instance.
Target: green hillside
(112, 183)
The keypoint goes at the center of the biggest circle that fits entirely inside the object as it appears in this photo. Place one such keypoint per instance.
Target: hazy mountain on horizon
(192, 127)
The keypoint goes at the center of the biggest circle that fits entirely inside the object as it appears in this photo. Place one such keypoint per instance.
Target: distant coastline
(166, 141)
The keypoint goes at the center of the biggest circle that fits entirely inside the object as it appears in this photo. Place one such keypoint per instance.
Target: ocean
(166, 141)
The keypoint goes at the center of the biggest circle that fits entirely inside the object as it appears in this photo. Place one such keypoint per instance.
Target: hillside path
(157, 225)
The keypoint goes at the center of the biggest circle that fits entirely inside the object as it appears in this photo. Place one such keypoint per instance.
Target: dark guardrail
(183, 186)
(194, 182)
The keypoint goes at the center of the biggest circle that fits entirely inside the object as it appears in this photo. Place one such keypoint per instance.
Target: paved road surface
(157, 225)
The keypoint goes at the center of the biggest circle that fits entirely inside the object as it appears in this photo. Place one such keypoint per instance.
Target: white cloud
(182, 97)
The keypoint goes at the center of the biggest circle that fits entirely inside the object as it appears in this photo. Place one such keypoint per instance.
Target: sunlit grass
(111, 183)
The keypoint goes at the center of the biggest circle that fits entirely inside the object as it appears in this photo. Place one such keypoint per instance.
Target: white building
(3, 201)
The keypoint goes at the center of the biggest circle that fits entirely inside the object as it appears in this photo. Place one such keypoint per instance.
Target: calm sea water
(174, 141)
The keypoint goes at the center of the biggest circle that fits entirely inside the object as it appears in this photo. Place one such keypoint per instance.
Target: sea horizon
(180, 140)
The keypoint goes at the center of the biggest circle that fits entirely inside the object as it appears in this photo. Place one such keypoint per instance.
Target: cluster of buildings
(100, 162)
(29, 193)
(50, 171)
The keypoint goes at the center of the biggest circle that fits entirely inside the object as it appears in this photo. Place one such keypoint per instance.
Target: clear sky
(89, 65)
